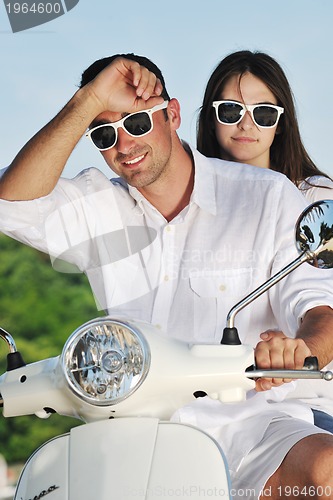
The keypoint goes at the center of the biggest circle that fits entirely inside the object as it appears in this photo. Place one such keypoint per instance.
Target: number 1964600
(35, 8)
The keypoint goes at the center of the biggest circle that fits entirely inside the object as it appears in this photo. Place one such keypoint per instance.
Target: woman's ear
(173, 111)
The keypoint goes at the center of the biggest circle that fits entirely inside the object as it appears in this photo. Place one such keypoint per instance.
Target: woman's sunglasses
(135, 124)
(232, 112)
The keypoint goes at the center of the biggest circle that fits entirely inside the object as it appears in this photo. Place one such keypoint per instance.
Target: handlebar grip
(311, 363)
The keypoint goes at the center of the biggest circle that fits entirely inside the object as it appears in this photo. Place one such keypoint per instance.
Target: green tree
(40, 308)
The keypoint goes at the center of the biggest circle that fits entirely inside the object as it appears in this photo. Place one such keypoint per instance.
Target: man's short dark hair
(95, 68)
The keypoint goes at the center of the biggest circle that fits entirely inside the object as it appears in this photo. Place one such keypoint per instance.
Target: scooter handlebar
(310, 370)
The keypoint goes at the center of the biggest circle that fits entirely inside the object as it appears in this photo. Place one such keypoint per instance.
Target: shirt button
(166, 278)
(168, 228)
(222, 288)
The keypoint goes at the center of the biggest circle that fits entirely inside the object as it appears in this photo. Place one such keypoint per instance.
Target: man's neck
(171, 193)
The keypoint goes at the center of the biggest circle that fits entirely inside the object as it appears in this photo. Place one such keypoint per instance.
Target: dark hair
(287, 153)
(92, 71)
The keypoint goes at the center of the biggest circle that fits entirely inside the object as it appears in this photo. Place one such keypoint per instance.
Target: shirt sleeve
(65, 222)
(321, 189)
(304, 288)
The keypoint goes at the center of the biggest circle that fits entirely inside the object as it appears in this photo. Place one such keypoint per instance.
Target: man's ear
(173, 111)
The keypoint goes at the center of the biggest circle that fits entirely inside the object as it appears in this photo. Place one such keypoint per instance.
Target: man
(177, 240)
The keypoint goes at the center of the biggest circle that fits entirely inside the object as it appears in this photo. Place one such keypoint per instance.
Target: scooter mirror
(314, 233)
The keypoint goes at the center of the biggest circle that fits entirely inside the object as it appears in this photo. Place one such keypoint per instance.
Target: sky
(41, 66)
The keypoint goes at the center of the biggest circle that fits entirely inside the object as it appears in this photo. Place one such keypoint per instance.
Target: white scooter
(125, 380)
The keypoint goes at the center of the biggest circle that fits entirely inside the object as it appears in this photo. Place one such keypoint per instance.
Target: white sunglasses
(232, 112)
(135, 124)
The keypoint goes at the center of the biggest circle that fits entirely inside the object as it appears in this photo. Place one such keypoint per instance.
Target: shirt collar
(203, 194)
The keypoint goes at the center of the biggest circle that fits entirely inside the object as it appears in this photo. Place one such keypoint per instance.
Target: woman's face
(245, 142)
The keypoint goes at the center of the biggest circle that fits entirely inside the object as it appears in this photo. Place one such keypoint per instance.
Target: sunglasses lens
(138, 124)
(104, 137)
(265, 116)
(229, 112)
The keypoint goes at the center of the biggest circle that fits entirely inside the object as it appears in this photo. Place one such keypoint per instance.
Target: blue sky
(41, 67)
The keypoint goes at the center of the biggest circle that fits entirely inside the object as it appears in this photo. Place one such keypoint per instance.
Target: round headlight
(105, 361)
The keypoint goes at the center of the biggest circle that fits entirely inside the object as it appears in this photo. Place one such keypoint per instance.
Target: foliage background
(40, 308)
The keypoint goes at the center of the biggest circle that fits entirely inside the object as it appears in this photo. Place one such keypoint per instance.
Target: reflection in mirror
(314, 233)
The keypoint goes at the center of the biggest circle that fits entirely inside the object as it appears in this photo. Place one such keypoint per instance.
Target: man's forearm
(123, 86)
(317, 332)
(36, 169)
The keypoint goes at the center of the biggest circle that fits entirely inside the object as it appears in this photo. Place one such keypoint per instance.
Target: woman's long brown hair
(287, 153)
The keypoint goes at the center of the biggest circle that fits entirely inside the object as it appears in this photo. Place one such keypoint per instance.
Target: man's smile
(134, 161)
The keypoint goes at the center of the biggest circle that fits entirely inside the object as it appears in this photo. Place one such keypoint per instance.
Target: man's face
(141, 161)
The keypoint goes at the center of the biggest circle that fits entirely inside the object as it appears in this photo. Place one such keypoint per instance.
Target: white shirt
(317, 393)
(318, 188)
(185, 275)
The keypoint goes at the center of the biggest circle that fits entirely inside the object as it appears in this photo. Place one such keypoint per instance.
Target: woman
(248, 115)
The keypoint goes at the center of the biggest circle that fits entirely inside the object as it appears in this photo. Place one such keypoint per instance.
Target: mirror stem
(304, 257)
(8, 339)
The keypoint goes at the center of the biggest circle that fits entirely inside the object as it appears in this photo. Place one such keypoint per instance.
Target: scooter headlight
(105, 361)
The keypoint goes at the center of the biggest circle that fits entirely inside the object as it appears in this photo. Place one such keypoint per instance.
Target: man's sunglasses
(232, 112)
(135, 124)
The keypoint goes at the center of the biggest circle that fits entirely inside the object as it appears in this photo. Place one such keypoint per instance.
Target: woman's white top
(321, 188)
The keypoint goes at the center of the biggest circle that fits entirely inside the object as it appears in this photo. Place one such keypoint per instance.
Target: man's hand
(279, 352)
(125, 86)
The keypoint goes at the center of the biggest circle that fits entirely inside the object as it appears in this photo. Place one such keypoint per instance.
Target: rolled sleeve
(306, 287)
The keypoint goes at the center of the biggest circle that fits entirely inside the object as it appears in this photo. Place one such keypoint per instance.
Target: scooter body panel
(124, 459)
(46, 472)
